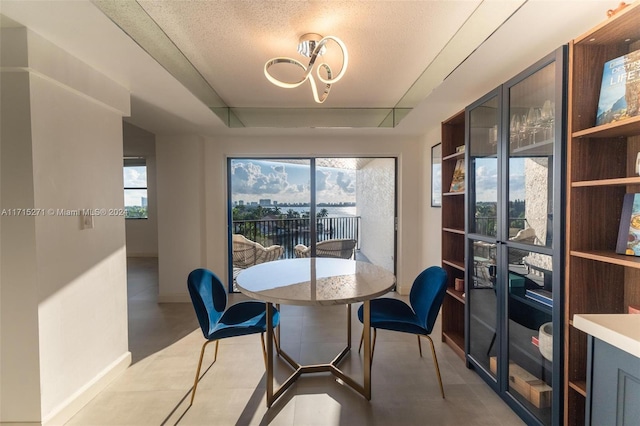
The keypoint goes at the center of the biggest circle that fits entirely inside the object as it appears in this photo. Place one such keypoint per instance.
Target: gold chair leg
(197, 379)
(373, 346)
(276, 335)
(435, 362)
(264, 350)
(419, 345)
(361, 340)
(349, 326)
(276, 342)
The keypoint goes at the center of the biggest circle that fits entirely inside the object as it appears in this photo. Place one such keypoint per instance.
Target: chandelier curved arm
(284, 84)
(327, 87)
(345, 60)
(317, 51)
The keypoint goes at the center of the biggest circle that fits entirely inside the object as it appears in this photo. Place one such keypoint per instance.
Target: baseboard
(20, 424)
(142, 254)
(65, 411)
(174, 298)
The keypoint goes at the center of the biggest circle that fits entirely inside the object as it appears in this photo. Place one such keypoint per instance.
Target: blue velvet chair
(219, 322)
(426, 297)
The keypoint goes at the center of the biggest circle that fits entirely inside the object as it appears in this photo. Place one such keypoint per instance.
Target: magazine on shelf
(629, 230)
(619, 98)
(457, 183)
(543, 296)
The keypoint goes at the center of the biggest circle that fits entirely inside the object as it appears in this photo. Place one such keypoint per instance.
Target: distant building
(265, 202)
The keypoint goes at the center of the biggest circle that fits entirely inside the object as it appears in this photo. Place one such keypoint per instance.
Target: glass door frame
(556, 250)
(492, 381)
(312, 201)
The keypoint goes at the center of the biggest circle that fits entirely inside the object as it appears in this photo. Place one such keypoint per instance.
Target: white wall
(182, 242)
(64, 310)
(376, 206)
(142, 234)
(192, 197)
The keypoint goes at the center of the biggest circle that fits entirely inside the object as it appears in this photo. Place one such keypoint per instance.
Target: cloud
(249, 179)
(346, 183)
(322, 180)
(135, 177)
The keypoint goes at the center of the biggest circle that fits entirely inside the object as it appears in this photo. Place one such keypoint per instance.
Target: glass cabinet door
(483, 167)
(514, 227)
(530, 202)
(530, 158)
(483, 227)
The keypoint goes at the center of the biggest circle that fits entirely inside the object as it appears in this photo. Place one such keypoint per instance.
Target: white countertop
(619, 330)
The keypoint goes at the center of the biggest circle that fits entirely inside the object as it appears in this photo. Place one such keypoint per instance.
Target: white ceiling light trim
(311, 45)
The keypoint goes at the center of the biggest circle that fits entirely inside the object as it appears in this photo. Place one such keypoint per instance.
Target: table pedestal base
(332, 367)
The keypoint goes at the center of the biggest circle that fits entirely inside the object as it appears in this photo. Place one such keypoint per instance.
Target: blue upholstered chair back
(427, 295)
(209, 298)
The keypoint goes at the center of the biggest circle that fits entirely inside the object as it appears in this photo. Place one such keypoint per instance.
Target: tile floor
(165, 342)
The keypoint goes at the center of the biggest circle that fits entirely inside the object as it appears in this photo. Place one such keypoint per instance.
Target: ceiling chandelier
(311, 45)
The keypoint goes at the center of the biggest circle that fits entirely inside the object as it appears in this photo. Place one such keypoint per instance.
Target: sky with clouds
(252, 180)
(487, 179)
(134, 177)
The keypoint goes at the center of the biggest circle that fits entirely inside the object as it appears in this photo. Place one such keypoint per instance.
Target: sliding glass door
(310, 207)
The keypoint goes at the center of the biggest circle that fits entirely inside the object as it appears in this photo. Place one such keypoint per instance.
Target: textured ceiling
(398, 52)
(230, 41)
(197, 66)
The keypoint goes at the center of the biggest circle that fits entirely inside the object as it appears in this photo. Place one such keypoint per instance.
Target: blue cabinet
(513, 238)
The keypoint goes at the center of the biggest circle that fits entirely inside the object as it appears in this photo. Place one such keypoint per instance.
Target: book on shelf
(629, 230)
(619, 97)
(539, 295)
(457, 183)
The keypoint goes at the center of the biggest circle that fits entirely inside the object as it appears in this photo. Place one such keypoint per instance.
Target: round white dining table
(316, 282)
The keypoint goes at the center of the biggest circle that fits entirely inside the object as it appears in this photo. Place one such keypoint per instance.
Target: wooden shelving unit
(600, 170)
(453, 235)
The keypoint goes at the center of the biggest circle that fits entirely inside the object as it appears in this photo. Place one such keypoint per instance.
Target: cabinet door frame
(469, 267)
(556, 250)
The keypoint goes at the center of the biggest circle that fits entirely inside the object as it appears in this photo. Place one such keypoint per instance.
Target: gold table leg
(364, 389)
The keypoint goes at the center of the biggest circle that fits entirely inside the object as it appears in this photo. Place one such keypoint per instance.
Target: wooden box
(519, 380)
(540, 394)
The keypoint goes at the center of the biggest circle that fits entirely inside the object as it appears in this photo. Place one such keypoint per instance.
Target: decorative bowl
(545, 340)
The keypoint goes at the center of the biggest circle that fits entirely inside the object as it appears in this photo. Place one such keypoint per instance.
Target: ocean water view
(333, 211)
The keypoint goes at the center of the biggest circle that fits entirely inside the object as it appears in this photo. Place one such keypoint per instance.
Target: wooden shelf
(579, 386)
(455, 264)
(619, 129)
(453, 236)
(608, 257)
(455, 341)
(455, 156)
(607, 182)
(616, 30)
(453, 230)
(600, 172)
(458, 295)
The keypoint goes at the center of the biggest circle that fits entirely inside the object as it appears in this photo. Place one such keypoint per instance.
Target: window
(135, 188)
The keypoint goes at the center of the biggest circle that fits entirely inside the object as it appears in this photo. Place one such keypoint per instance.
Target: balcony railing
(486, 225)
(291, 232)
